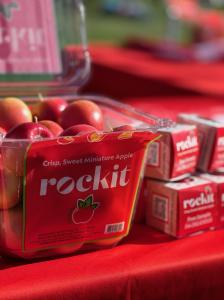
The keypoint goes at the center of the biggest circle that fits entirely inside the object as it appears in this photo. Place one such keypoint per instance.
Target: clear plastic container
(35, 54)
(70, 194)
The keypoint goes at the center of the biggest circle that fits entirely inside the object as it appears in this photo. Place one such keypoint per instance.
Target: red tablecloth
(147, 265)
(169, 107)
(123, 73)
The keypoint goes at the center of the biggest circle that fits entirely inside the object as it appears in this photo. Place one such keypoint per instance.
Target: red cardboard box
(174, 156)
(211, 140)
(181, 208)
(219, 180)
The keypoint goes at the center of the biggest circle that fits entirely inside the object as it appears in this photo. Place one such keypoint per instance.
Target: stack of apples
(22, 124)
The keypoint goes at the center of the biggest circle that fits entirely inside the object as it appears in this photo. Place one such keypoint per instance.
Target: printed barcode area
(153, 154)
(112, 228)
(160, 207)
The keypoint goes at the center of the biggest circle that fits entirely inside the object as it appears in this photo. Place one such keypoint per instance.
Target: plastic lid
(43, 47)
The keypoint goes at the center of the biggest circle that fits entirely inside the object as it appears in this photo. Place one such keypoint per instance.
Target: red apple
(78, 129)
(11, 228)
(64, 250)
(124, 128)
(30, 131)
(82, 112)
(10, 189)
(108, 242)
(50, 109)
(13, 112)
(54, 127)
(13, 152)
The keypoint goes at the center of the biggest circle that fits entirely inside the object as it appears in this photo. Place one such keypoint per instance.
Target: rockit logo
(6, 10)
(188, 143)
(88, 182)
(203, 199)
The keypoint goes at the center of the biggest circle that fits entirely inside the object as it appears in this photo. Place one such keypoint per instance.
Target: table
(147, 264)
(123, 73)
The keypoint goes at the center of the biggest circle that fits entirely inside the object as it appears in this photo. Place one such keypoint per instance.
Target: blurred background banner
(180, 25)
(163, 56)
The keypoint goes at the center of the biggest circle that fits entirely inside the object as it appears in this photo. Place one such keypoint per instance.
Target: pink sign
(28, 37)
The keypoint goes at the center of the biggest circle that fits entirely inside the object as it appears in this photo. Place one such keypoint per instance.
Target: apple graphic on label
(84, 211)
(82, 112)
(13, 152)
(13, 112)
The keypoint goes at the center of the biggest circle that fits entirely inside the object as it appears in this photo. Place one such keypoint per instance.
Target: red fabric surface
(147, 265)
(170, 107)
(123, 73)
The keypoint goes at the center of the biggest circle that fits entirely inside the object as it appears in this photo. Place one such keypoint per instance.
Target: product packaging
(218, 179)
(173, 156)
(71, 193)
(182, 208)
(211, 139)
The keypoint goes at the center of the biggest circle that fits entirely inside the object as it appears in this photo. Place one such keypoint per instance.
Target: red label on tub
(78, 190)
(28, 37)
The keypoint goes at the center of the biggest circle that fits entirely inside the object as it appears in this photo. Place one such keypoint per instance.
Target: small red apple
(82, 112)
(63, 250)
(11, 232)
(108, 242)
(50, 109)
(54, 127)
(13, 112)
(124, 128)
(78, 129)
(11, 228)
(29, 131)
(13, 152)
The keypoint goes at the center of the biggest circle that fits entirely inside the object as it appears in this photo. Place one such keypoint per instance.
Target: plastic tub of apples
(70, 167)
(70, 173)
